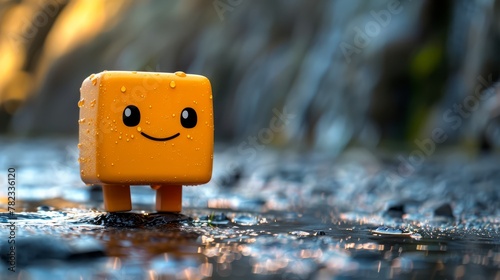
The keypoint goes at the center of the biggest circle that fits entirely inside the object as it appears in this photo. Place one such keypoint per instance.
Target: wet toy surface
(144, 128)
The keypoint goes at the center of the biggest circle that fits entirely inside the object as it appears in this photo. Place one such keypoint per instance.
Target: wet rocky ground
(267, 215)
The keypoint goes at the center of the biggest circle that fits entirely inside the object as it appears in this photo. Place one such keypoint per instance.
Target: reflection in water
(295, 248)
(279, 218)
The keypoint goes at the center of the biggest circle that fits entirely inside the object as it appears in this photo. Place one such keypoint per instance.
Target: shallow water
(277, 215)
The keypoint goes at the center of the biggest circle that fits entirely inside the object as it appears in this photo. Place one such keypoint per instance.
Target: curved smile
(160, 139)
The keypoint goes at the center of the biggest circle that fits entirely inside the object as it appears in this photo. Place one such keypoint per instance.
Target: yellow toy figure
(144, 128)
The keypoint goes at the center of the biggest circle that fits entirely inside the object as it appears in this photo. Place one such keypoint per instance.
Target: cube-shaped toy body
(143, 128)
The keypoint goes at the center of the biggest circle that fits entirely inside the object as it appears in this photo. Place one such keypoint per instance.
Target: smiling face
(146, 128)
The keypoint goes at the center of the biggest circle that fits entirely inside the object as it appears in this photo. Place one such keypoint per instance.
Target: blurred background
(307, 80)
(365, 73)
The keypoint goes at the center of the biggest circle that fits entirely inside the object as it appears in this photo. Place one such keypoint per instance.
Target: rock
(395, 211)
(44, 208)
(38, 249)
(445, 211)
(134, 220)
(245, 220)
(231, 178)
(390, 231)
(214, 219)
(291, 174)
(219, 219)
(84, 248)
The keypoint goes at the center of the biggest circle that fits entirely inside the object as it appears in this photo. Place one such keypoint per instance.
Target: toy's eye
(189, 118)
(131, 116)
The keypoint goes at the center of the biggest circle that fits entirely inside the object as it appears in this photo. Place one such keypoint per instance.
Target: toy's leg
(116, 198)
(168, 198)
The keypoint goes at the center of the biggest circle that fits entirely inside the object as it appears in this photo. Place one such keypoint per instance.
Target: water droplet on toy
(172, 84)
(210, 96)
(112, 164)
(123, 89)
(128, 139)
(150, 106)
(82, 172)
(79, 145)
(173, 115)
(82, 120)
(92, 103)
(180, 74)
(81, 102)
(139, 129)
(132, 136)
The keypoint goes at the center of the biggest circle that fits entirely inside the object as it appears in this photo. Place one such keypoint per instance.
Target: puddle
(285, 216)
